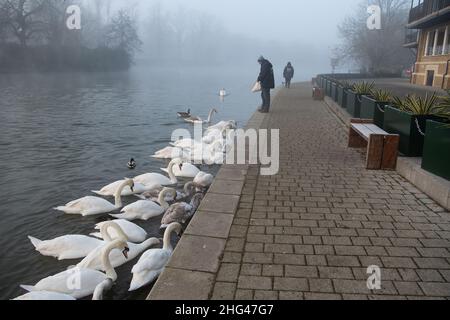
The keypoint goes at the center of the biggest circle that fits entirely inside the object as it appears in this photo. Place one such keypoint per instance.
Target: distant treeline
(14, 58)
(43, 35)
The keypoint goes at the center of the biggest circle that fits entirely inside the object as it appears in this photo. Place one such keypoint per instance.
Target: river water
(62, 135)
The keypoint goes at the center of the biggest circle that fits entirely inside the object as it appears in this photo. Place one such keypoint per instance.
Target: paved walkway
(311, 231)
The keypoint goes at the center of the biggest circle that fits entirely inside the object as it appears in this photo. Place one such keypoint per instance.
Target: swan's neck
(210, 116)
(106, 235)
(167, 243)
(172, 176)
(110, 272)
(148, 243)
(162, 198)
(189, 189)
(118, 195)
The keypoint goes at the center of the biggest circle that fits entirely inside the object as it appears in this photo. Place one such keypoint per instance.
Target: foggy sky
(283, 20)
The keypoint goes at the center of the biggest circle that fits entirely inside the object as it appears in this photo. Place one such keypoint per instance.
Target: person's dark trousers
(265, 94)
(288, 83)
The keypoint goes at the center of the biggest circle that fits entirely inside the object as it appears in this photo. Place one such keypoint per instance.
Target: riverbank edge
(433, 186)
(191, 271)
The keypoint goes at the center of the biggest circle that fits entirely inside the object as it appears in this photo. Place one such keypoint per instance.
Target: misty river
(63, 135)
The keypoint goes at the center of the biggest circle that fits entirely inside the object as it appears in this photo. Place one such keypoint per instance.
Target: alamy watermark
(230, 146)
(73, 21)
(374, 20)
(374, 280)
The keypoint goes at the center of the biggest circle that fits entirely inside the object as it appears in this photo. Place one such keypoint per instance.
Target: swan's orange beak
(180, 166)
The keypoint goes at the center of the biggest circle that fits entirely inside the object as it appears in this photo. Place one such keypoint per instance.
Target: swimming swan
(187, 170)
(44, 296)
(154, 179)
(67, 247)
(133, 232)
(146, 209)
(181, 212)
(94, 259)
(111, 189)
(203, 180)
(89, 206)
(87, 279)
(153, 261)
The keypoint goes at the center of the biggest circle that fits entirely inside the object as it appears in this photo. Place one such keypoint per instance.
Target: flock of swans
(117, 242)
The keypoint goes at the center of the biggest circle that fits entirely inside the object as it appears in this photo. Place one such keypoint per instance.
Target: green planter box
(342, 96)
(334, 91)
(436, 149)
(353, 104)
(372, 109)
(405, 125)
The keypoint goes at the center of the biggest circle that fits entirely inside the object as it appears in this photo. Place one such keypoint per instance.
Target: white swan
(66, 247)
(194, 119)
(94, 259)
(203, 180)
(111, 189)
(153, 261)
(231, 124)
(206, 152)
(133, 232)
(181, 212)
(169, 153)
(187, 170)
(44, 296)
(82, 282)
(155, 179)
(89, 206)
(146, 209)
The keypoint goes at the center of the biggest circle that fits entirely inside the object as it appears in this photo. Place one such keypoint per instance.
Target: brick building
(429, 33)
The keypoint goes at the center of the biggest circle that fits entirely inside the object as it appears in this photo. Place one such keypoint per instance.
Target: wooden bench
(381, 146)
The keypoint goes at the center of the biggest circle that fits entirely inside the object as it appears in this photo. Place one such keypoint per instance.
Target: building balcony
(429, 13)
(411, 38)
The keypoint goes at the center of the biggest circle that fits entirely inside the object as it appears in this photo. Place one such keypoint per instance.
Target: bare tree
(376, 50)
(122, 33)
(22, 18)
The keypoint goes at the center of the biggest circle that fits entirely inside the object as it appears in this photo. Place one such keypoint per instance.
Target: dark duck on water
(131, 164)
(184, 114)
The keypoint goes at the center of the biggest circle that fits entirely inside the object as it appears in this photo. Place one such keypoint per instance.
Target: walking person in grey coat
(288, 74)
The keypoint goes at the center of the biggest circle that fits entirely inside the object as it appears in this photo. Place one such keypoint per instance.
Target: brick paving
(311, 231)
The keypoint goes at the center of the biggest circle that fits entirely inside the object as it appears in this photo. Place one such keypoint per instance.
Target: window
(430, 43)
(440, 42)
(447, 43)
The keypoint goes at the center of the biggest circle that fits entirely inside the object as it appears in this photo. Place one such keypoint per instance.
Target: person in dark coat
(288, 74)
(267, 80)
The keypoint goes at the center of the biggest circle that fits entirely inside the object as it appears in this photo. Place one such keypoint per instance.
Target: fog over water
(236, 32)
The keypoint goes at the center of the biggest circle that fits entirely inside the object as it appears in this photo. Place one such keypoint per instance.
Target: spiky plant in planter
(347, 84)
(444, 103)
(417, 105)
(382, 95)
(363, 88)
